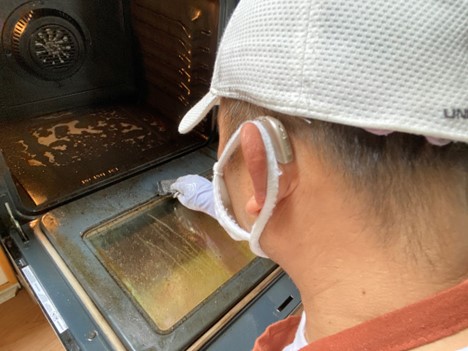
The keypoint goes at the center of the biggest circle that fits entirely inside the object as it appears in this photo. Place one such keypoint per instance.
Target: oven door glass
(167, 258)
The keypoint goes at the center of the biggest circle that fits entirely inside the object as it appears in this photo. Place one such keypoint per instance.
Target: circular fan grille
(54, 48)
(48, 43)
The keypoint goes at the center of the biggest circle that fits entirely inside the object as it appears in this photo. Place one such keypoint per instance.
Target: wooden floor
(23, 326)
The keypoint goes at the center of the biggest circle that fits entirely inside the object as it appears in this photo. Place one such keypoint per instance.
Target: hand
(195, 193)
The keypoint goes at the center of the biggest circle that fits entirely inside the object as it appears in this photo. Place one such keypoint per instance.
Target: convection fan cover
(48, 43)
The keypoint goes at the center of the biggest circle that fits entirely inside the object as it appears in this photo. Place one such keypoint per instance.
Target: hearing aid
(279, 138)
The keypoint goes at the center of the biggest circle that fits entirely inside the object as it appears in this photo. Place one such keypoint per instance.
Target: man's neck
(359, 293)
(346, 278)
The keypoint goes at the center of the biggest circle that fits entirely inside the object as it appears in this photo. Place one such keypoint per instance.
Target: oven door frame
(272, 300)
(74, 324)
(42, 253)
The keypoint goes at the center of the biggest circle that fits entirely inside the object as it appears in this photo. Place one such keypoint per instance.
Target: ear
(255, 160)
(254, 154)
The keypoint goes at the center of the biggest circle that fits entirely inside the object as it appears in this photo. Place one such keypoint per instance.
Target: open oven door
(124, 268)
(88, 126)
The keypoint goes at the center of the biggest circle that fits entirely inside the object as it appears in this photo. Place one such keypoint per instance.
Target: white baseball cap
(398, 65)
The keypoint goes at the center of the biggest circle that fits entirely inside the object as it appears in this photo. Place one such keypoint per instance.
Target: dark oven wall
(62, 54)
(175, 42)
(93, 91)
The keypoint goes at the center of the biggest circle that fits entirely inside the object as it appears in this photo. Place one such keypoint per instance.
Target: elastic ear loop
(273, 173)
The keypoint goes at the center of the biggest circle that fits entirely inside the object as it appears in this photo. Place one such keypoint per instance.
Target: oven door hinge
(15, 224)
(11, 215)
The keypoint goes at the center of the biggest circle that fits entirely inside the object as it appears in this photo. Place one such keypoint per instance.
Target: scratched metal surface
(66, 228)
(59, 155)
(165, 252)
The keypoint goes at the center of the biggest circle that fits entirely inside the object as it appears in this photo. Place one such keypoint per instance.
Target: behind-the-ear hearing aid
(279, 138)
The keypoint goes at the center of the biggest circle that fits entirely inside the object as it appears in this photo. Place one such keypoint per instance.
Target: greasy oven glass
(167, 258)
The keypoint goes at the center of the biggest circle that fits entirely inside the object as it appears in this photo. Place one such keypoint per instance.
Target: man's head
(332, 71)
(401, 181)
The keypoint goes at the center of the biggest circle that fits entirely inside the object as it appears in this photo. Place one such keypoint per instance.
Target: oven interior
(92, 92)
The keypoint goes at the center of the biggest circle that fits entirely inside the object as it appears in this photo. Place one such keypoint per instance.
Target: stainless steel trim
(84, 298)
(210, 333)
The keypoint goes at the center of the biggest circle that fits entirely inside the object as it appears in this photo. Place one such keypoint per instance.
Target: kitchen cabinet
(8, 283)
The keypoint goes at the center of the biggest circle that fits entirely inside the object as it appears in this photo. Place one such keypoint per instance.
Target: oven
(91, 94)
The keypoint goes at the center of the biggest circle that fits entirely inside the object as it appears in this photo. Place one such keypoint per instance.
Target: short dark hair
(395, 174)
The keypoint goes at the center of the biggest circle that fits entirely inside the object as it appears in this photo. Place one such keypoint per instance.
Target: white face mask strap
(220, 193)
(272, 192)
(273, 173)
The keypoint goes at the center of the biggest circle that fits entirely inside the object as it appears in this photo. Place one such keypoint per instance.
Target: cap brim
(198, 112)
